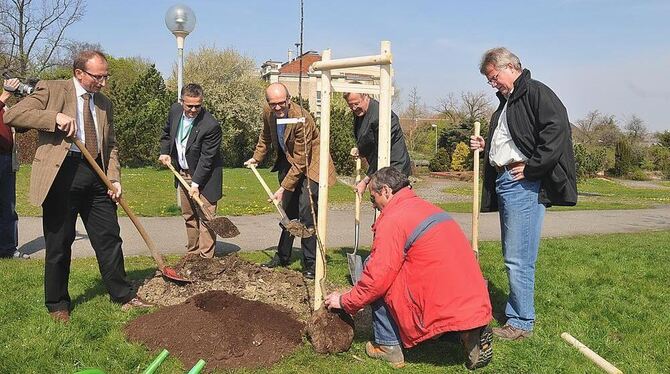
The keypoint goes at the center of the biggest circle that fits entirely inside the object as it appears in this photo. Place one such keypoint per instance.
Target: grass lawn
(594, 194)
(609, 291)
(150, 192)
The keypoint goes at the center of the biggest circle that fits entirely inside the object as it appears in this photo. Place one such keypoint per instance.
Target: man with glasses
(66, 186)
(366, 133)
(421, 279)
(191, 141)
(290, 129)
(529, 165)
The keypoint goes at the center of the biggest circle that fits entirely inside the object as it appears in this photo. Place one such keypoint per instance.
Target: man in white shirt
(529, 164)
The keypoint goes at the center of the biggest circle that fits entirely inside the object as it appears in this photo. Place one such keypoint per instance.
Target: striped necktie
(91, 139)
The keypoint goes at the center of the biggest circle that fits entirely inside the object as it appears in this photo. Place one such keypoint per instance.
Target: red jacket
(436, 286)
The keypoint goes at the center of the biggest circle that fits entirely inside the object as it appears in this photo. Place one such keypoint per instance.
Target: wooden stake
(594, 357)
(475, 197)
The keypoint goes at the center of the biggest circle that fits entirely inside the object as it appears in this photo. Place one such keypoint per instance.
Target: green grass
(608, 291)
(150, 192)
(594, 194)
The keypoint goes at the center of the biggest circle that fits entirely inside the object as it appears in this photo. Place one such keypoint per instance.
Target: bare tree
(34, 32)
(469, 107)
(593, 128)
(412, 119)
(636, 128)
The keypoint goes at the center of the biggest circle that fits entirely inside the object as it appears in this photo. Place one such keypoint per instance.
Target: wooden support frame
(326, 66)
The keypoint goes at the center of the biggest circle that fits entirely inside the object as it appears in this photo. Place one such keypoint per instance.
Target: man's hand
(250, 161)
(361, 186)
(477, 143)
(194, 190)
(10, 85)
(115, 195)
(516, 171)
(67, 124)
(165, 159)
(279, 194)
(332, 301)
(354, 152)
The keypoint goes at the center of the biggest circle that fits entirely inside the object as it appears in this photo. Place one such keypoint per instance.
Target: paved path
(262, 232)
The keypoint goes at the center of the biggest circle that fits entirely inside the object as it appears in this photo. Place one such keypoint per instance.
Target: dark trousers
(297, 206)
(77, 190)
(9, 234)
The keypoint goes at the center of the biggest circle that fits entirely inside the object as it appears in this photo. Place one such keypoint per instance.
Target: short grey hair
(388, 176)
(499, 57)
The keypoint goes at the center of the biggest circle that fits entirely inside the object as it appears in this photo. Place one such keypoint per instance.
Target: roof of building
(293, 67)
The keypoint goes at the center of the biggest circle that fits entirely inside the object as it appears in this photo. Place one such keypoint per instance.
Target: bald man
(290, 129)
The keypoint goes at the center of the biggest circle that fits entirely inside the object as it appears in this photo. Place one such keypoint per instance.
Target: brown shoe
(478, 346)
(135, 302)
(509, 332)
(60, 316)
(391, 353)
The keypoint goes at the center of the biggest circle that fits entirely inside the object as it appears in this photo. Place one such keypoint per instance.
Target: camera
(24, 88)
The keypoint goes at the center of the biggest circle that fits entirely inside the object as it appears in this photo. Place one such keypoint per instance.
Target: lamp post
(435, 127)
(180, 20)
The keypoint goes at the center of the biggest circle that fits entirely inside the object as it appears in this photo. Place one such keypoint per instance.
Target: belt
(75, 154)
(501, 169)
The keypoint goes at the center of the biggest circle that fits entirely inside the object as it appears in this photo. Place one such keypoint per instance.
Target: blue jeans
(383, 325)
(521, 218)
(9, 234)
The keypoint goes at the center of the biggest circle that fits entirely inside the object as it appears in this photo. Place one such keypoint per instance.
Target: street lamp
(435, 127)
(180, 20)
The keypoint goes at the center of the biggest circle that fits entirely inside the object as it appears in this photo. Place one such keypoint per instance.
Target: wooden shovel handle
(358, 197)
(267, 190)
(186, 186)
(475, 197)
(138, 225)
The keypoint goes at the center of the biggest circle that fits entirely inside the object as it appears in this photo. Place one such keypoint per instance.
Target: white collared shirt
(187, 123)
(503, 150)
(79, 91)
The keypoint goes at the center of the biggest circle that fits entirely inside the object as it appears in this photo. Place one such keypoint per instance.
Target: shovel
(475, 198)
(295, 227)
(222, 226)
(355, 261)
(168, 272)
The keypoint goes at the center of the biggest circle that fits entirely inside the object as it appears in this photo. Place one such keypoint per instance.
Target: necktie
(91, 139)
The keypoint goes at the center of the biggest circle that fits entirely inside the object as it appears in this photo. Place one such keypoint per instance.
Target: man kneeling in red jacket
(421, 277)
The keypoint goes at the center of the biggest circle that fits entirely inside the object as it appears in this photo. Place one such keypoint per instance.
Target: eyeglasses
(97, 78)
(281, 104)
(191, 107)
(494, 78)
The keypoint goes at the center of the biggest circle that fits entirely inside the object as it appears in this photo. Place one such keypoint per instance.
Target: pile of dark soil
(223, 329)
(282, 287)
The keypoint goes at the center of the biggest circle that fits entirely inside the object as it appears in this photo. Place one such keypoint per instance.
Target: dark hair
(192, 90)
(84, 56)
(388, 176)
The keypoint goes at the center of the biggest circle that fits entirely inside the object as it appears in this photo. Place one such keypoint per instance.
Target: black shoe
(308, 274)
(275, 262)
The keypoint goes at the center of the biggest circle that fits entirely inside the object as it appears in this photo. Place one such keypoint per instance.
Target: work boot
(509, 332)
(391, 353)
(478, 347)
(275, 262)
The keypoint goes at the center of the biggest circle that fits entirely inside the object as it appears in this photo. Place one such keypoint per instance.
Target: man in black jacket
(528, 164)
(192, 138)
(366, 132)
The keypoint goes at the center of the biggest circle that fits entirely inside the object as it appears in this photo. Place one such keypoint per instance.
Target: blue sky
(609, 55)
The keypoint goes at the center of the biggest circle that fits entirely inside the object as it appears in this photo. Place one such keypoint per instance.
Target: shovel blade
(223, 227)
(172, 275)
(355, 263)
(296, 228)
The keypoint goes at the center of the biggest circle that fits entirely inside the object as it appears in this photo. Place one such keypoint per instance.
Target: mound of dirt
(225, 330)
(330, 332)
(282, 287)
